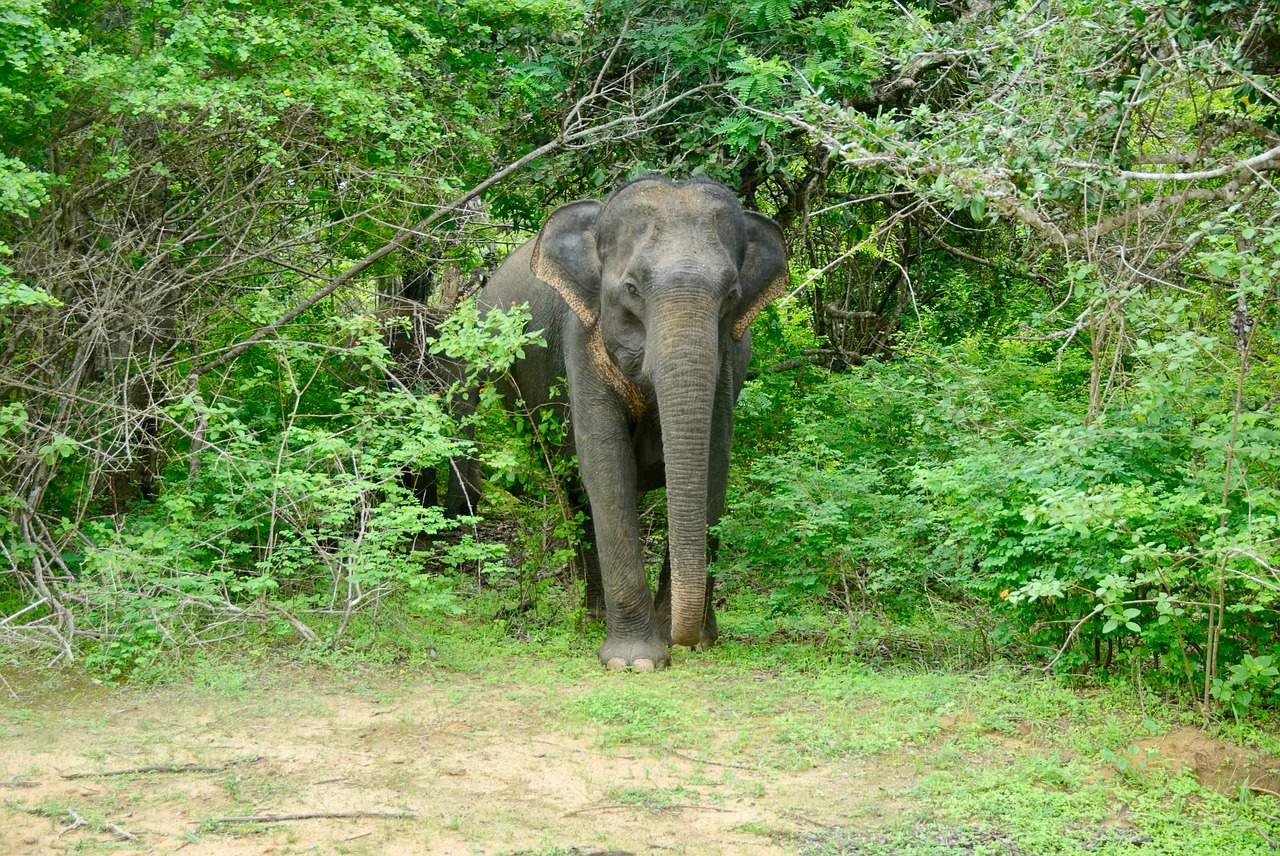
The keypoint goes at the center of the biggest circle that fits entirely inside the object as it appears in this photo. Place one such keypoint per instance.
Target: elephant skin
(645, 300)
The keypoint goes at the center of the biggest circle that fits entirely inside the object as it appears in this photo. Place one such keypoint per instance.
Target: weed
(654, 799)
(630, 714)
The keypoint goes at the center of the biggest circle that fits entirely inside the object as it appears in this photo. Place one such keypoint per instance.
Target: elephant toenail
(642, 665)
(616, 663)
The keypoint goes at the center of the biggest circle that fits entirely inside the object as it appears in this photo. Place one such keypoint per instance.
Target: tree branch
(562, 139)
(1266, 160)
(955, 251)
(1220, 134)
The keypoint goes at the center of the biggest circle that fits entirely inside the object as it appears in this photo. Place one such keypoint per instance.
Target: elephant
(645, 299)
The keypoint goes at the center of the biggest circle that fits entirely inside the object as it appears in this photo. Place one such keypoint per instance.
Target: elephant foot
(639, 655)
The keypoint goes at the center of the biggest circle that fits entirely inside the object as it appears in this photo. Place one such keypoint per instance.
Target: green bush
(975, 472)
(290, 515)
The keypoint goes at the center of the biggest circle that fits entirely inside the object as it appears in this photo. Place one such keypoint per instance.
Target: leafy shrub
(1105, 541)
(290, 513)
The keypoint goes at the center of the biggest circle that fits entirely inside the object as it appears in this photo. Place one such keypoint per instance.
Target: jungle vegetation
(1022, 397)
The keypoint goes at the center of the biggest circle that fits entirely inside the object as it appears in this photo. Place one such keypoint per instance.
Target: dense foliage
(1026, 370)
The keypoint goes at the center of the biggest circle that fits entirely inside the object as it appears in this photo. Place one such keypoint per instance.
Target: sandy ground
(473, 770)
(448, 763)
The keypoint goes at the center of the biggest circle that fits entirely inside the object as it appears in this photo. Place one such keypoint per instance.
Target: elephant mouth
(636, 402)
(632, 363)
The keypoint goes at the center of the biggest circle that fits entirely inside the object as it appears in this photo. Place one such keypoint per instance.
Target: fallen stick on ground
(798, 816)
(122, 834)
(163, 768)
(20, 783)
(38, 812)
(583, 751)
(1275, 845)
(598, 808)
(312, 815)
(704, 760)
(76, 820)
(654, 809)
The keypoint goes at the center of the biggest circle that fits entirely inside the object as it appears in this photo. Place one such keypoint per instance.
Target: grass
(849, 755)
(999, 763)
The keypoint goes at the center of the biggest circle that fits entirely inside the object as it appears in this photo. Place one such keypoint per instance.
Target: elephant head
(666, 279)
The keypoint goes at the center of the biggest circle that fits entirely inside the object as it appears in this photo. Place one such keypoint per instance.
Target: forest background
(1019, 406)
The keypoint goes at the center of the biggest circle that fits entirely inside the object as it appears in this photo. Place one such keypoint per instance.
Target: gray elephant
(645, 300)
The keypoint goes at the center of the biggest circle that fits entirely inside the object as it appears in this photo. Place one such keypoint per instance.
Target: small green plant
(1246, 683)
(654, 799)
(342, 533)
(1125, 761)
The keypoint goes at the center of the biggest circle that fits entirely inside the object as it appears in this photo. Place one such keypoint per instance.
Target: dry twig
(20, 783)
(122, 834)
(653, 809)
(704, 760)
(164, 768)
(313, 815)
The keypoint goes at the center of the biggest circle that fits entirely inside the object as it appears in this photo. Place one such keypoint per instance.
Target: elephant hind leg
(586, 561)
(662, 605)
(590, 562)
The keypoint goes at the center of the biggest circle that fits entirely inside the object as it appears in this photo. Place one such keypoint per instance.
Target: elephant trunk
(685, 383)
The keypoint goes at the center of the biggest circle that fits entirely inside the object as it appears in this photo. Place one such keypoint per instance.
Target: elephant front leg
(632, 639)
(632, 636)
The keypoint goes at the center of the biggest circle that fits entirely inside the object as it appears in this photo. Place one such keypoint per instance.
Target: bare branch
(422, 226)
(1265, 161)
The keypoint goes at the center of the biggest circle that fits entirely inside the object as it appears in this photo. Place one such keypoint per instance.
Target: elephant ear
(764, 274)
(565, 257)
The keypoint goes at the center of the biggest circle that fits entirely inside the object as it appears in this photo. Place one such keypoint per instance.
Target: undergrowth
(923, 759)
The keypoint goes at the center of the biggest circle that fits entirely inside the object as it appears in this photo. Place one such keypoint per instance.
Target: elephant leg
(632, 637)
(586, 559)
(607, 462)
(662, 601)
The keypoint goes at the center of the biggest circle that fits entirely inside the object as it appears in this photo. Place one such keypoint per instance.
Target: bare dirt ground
(561, 762)
(477, 770)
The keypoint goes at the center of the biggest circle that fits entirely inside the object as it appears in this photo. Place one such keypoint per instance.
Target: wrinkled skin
(644, 299)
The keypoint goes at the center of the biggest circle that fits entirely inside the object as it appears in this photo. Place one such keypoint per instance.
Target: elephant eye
(731, 300)
(631, 288)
